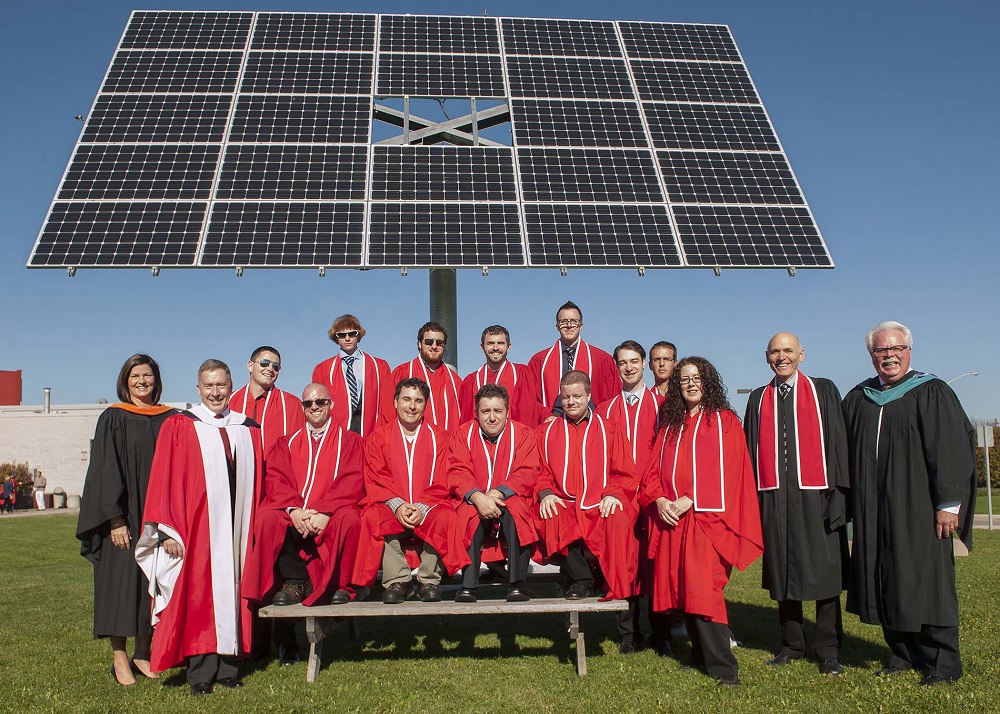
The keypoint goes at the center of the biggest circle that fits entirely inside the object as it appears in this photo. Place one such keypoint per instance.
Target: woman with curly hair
(700, 492)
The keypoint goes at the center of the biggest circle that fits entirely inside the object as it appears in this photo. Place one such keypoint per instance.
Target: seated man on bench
(493, 467)
(407, 520)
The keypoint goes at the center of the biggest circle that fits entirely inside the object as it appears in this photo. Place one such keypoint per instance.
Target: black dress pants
(933, 649)
(576, 569)
(710, 646)
(209, 668)
(291, 567)
(829, 633)
(519, 558)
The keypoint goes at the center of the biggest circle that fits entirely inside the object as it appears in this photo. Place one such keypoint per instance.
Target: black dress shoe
(889, 671)
(627, 645)
(932, 680)
(292, 593)
(781, 660)
(831, 667)
(397, 593)
(465, 595)
(729, 680)
(341, 597)
(665, 649)
(518, 592)
(579, 590)
(288, 655)
(230, 682)
(429, 592)
(201, 688)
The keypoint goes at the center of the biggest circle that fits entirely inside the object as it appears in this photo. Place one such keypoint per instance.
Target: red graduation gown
(442, 408)
(693, 559)
(278, 416)
(583, 463)
(376, 392)
(474, 463)
(545, 371)
(390, 474)
(196, 604)
(513, 377)
(326, 476)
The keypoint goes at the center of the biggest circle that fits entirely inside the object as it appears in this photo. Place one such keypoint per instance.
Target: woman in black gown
(114, 494)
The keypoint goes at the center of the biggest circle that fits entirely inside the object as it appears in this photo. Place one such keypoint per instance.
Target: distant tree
(24, 479)
(994, 458)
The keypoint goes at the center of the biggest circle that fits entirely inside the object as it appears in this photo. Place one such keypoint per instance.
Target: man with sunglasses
(569, 353)
(277, 412)
(360, 384)
(913, 485)
(308, 526)
(442, 408)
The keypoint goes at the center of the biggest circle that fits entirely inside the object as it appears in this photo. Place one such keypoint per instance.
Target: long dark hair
(130, 364)
(673, 411)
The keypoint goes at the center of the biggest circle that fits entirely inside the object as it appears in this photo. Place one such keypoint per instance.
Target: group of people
(195, 519)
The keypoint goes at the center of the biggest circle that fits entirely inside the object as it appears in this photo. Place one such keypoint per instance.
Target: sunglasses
(430, 342)
(345, 335)
(307, 403)
(265, 363)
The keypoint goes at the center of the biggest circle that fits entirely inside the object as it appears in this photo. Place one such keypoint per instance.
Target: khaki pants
(395, 569)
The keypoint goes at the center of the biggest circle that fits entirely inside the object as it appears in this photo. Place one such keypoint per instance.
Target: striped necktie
(352, 382)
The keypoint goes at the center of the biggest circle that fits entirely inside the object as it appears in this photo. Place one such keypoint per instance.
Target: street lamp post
(964, 374)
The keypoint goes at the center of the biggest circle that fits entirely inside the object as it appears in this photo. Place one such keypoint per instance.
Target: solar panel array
(238, 139)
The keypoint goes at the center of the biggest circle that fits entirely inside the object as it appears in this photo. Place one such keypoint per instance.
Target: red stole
(312, 459)
(419, 458)
(707, 461)
(371, 388)
(810, 447)
(274, 419)
(639, 422)
(594, 460)
(444, 384)
(495, 461)
(552, 372)
(506, 377)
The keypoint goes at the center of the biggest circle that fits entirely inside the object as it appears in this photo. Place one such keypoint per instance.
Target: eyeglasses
(345, 335)
(431, 342)
(894, 350)
(568, 323)
(265, 363)
(307, 403)
(690, 380)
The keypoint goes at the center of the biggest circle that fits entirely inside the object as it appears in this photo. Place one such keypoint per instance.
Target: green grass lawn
(49, 662)
(982, 502)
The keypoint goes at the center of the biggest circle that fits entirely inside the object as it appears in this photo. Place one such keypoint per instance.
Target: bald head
(316, 405)
(784, 353)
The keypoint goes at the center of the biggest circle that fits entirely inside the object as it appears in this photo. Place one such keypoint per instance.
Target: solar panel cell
(694, 82)
(569, 77)
(425, 75)
(157, 118)
(160, 71)
(312, 31)
(442, 173)
(302, 119)
(715, 177)
(307, 73)
(657, 40)
(710, 126)
(446, 35)
(570, 38)
(543, 122)
(327, 173)
(140, 172)
(599, 175)
(188, 30)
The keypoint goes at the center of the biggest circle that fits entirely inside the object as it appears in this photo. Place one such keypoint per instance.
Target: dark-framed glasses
(894, 350)
(345, 335)
(308, 403)
(265, 363)
(568, 323)
(685, 381)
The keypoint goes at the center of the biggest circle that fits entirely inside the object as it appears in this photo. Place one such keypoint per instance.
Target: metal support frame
(444, 309)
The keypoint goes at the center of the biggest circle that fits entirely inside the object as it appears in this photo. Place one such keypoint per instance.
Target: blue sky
(887, 111)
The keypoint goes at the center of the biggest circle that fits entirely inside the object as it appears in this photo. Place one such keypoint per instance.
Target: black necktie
(570, 357)
(784, 389)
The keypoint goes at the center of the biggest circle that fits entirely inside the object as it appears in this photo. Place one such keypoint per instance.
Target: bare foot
(142, 666)
(122, 672)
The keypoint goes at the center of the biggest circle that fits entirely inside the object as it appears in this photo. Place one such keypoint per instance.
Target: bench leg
(352, 628)
(575, 633)
(315, 635)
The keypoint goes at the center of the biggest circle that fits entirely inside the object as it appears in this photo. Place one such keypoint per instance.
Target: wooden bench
(315, 631)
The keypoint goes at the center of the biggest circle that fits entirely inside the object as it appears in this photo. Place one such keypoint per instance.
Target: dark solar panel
(307, 73)
(427, 75)
(545, 122)
(120, 234)
(715, 177)
(600, 235)
(569, 38)
(656, 40)
(285, 234)
(443, 173)
(329, 173)
(157, 118)
(694, 82)
(444, 234)
(310, 31)
(161, 71)
(444, 35)
(573, 77)
(588, 175)
(188, 30)
(302, 120)
(750, 236)
(710, 126)
(137, 172)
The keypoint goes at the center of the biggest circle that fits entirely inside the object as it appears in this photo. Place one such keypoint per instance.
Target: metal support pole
(444, 309)
(989, 490)
(475, 123)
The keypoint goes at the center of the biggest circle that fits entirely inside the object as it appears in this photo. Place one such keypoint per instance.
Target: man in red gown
(513, 377)
(586, 493)
(492, 472)
(570, 352)
(360, 385)
(407, 520)
(277, 412)
(197, 526)
(662, 360)
(428, 366)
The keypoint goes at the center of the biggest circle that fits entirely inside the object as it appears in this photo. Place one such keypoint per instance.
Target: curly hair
(673, 411)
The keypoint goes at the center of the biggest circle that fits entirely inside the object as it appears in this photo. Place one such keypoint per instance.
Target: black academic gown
(902, 576)
(116, 482)
(805, 535)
